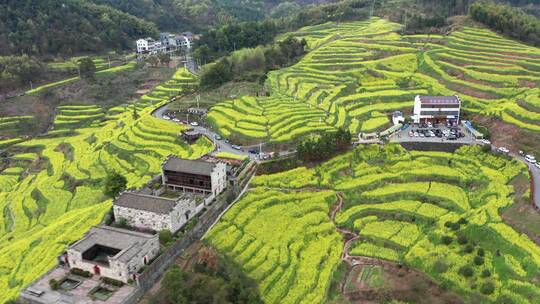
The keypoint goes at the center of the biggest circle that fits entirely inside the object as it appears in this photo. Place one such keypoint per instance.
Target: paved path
(535, 175)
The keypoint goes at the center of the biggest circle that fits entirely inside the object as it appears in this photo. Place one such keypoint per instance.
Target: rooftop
(145, 202)
(198, 167)
(128, 242)
(439, 99)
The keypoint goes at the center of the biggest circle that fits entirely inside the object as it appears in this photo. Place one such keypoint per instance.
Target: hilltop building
(153, 212)
(194, 175)
(436, 109)
(112, 252)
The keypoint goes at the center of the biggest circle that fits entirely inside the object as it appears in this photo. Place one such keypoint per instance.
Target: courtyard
(74, 289)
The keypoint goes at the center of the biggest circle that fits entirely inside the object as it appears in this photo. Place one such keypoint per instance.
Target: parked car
(411, 133)
(521, 153)
(452, 137)
(194, 123)
(530, 158)
(217, 137)
(166, 117)
(503, 150)
(253, 151)
(236, 147)
(416, 134)
(537, 165)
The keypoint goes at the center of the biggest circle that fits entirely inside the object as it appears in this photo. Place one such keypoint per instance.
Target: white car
(236, 147)
(503, 150)
(166, 117)
(537, 165)
(416, 134)
(485, 141)
(176, 120)
(530, 158)
(194, 123)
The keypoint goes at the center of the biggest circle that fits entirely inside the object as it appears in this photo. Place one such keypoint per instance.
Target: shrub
(80, 272)
(462, 239)
(440, 266)
(478, 260)
(112, 282)
(504, 299)
(481, 252)
(486, 273)
(165, 236)
(447, 240)
(487, 288)
(469, 248)
(466, 271)
(54, 284)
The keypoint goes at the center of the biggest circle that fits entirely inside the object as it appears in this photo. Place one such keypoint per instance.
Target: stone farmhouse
(112, 252)
(153, 212)
(196, 176)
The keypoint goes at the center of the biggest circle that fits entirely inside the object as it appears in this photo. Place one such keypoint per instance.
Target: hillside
(52, 191)
(357, 71)
(446, 224)
(66, 27)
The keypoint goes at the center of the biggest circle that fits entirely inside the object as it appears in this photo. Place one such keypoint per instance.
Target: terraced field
(424, 209)
(13, 124)
(357, 73)
(52, 191)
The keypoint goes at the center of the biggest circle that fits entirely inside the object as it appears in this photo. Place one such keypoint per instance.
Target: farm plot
(52, 192)
(446, 224)
(358, 73)
(293, 255)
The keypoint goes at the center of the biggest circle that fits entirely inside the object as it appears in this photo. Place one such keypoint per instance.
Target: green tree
(164, 58)
(87, 68)
(165, 236)
(114, 184)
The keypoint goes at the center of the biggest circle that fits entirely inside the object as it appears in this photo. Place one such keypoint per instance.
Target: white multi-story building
(149, 46)
(436, 109)
(153, 212)
(194, 175)
(113, 252)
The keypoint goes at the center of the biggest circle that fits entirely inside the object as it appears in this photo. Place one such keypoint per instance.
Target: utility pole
(79, 71)
(372, 8)
(31, 85)
(109, 60)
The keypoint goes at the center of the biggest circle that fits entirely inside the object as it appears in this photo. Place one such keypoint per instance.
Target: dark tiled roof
(129, 242)
(439, 99)
(198, 167)
(145, 202)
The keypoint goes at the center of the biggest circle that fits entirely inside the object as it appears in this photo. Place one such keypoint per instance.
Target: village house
(112, 252)
(153, 212)
(436, 109)
(149, 46)
(194, 175)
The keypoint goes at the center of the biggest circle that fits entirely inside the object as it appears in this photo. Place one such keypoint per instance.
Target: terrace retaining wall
(432, 146)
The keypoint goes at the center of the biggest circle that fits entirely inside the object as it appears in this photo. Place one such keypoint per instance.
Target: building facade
(194, 175)
(437, 109)
(149, 46)
(112, 252)
(155, 213)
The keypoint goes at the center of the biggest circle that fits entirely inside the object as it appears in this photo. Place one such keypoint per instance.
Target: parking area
(433, 133)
